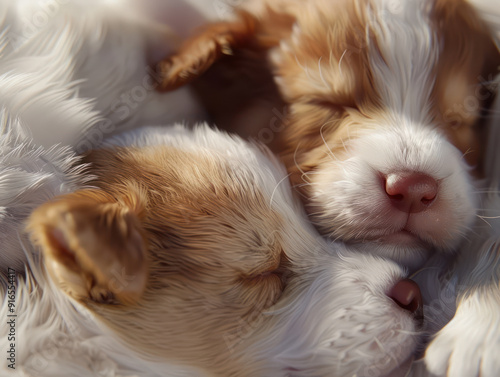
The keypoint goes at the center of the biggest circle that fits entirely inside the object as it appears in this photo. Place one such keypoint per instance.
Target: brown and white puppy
(191, 252)
(384, 98)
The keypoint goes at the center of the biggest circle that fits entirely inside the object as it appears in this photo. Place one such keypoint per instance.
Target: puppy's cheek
(443, 224)
(463, 136)
(320, 203)
(329, 193)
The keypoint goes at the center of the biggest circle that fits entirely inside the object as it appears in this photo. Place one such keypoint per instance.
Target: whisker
(407, 332)
(488, 217)
(343, 144)
(297, 165)
(299, 63)
(340, 62)
(324, 140)
(321, 73)
(275, 188)
(468, 151)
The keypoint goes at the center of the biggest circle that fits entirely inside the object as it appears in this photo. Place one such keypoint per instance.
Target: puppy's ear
(94, 246)
(200, 52)
(468, 60)
(267, 29)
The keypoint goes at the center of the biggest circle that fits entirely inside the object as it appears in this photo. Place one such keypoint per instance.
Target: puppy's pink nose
(411, 192)
(407, 295)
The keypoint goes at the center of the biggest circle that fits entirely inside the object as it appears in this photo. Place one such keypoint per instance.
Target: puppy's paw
(93, 247)
(469, 345)
(198, 54)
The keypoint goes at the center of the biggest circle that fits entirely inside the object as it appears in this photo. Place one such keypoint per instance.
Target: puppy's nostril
(411, 192)
(407, 295)
(397, 197)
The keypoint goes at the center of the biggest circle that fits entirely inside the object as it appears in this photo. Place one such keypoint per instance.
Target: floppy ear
(94, 246)
(271, 25)
(200, 52)
(469, 59)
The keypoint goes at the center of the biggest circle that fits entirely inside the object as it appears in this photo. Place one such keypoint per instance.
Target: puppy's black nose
(407, 295)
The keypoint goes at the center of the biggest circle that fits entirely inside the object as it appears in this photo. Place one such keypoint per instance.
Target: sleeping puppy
(189, 250)
(384, 99)
(72, 74)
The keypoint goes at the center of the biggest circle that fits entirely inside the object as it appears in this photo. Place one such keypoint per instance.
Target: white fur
(348, 200)
(334, 318)
(29, 176)
(468, 346)
(92, 43)
(73, 73)
(369, 216)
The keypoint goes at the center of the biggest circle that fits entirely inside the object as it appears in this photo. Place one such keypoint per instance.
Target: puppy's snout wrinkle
(411, 192)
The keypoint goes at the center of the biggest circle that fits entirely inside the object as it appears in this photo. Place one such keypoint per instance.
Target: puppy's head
(187, 242)
(187, 239)
(384, 100)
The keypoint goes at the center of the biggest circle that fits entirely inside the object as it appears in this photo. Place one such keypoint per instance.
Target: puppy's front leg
(469, 345)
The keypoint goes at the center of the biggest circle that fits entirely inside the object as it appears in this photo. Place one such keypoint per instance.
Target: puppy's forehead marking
(213, 241)
(402, 55)
(192, 186)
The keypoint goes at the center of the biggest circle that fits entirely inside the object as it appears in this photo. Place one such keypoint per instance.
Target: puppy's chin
(411, 253)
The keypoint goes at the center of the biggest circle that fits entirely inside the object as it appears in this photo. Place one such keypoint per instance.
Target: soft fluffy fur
(469, 343)
(297, 307)
(237, 281)
(374, 88)
(71, 74)
(308, 75)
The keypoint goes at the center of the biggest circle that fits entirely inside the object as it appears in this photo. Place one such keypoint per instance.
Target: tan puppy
(192, 250)
(383, 100)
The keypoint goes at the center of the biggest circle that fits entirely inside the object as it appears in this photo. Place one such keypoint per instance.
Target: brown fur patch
(215, 259)
(469, 58)
(326, 69)
(200, 52)
(90, 238)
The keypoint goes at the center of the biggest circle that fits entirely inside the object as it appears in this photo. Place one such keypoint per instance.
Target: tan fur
(469, 58)
(318, 116)
(332, 35)
(213, 253)
(199, 53)
(232, 57)
(218, 39)
(89, 238)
